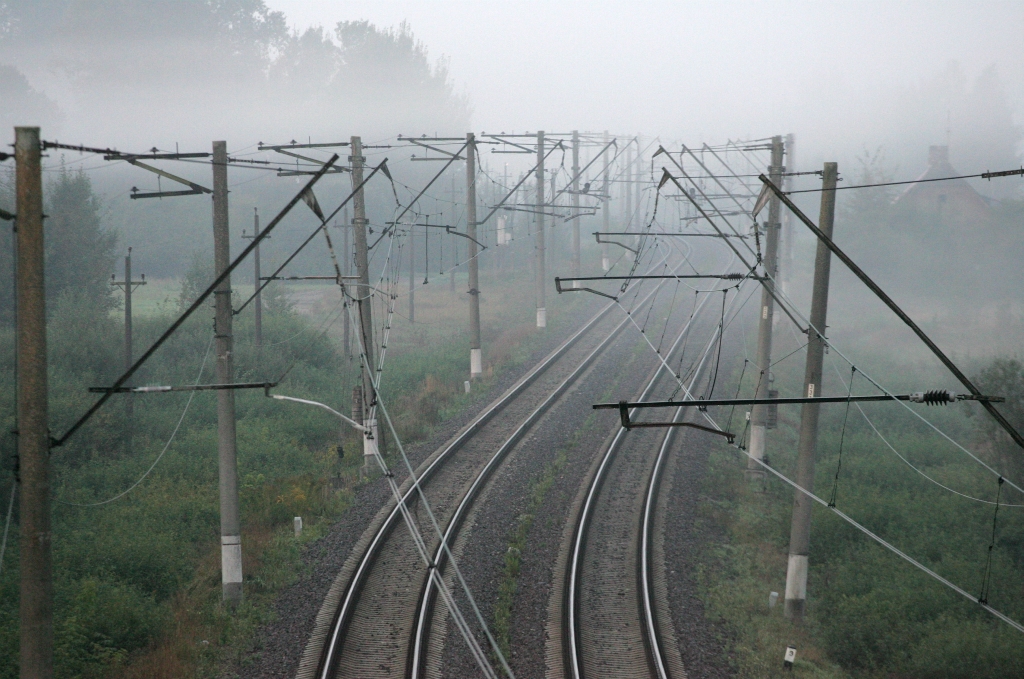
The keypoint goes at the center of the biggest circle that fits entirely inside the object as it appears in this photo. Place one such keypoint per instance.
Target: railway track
(375, 622)
(613, 607)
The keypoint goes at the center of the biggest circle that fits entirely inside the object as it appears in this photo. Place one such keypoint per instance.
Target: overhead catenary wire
(174, 432)
(979, 175)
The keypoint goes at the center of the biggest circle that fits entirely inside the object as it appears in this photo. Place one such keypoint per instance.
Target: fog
(870, 85)
(841, 76)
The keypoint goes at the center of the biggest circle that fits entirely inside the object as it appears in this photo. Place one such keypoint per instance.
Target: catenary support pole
(258, 311)
(575, 205)
(346, 271)
(230, 523)
(606, 262)
(759, 413)
(412, 273)
(627, 188)
(800, 530)
(475, 359)
(786, 278)
(542, 317)
(639, 175)
(128, 285)
(36, 605)
(364, 302)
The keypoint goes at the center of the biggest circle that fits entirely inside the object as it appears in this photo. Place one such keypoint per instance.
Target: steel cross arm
(196, 188)
(418, 195)
(195, 305)
(722, 277)
(309, 278)
(434, 148)
(770, 288)
(189, 387)
(579, 174)
(515, 188)
(664, 233)
(857, 271)
(277, 147)
(919, 397)
(323, 226)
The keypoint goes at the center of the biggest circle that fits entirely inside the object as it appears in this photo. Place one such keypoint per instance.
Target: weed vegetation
(870, 613)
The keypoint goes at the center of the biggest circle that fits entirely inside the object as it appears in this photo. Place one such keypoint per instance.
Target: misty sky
(832, 72)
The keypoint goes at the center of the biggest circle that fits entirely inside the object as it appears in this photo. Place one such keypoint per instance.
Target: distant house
(952, 202)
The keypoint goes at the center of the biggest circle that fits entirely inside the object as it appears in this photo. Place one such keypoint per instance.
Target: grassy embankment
(137, 580)
(870, 614)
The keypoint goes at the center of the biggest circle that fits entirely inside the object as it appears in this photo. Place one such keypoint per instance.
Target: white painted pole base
(542, 317)
(605, 264)
(796, 585)
(476, 363)
(231, 568)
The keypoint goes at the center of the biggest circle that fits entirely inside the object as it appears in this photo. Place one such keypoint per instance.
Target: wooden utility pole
(475, 358)
(575, 206)
(128, 285)
(363, 301)
(606, 262)
(230, 521)
(542, 313)
(36, 604)
(759, 413)
(800, 530)
(258, 311)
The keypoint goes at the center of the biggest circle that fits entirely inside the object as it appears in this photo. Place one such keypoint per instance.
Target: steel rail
(342, 618)
(571, 628)
(417, 659)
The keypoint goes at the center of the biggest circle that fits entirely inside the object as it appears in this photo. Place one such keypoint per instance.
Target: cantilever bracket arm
(451, 230)
(6, 216)
(558, 287)
(615, 242)
(628, 424)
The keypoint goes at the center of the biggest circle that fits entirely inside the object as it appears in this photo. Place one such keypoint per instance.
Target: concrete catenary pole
(787, 224)
(258, 311)
(759, 413)
(800, 531)
(639, 174)
(412, 274)
(128, 285)
(627, 188)
(575, 205)
(230, 522)
(363, 299)
(346, 271)
(36, 604)
(606, 262)
(542, 312)
(475, 359)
